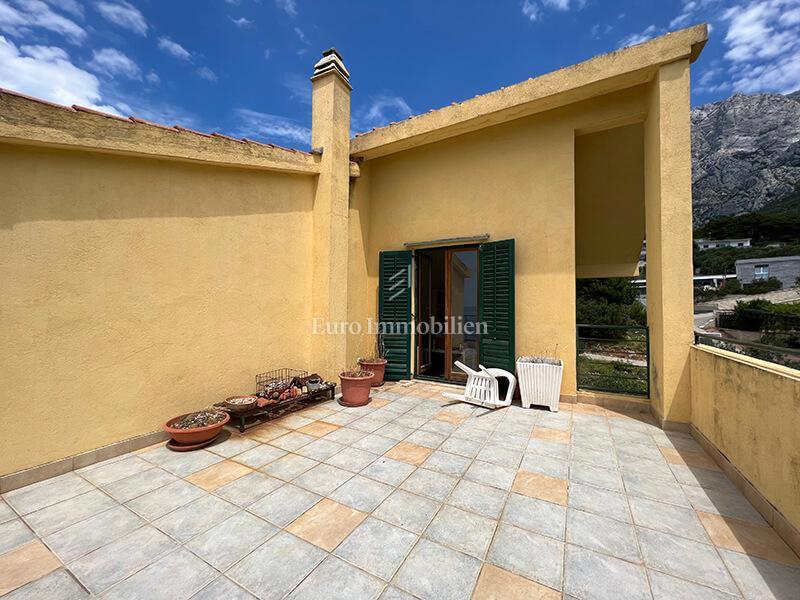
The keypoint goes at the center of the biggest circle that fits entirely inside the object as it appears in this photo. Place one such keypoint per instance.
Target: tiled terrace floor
(408, 497)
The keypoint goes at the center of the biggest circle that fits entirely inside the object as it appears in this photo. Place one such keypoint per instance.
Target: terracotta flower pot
(377, 366)
(196, 435)
(355, 390)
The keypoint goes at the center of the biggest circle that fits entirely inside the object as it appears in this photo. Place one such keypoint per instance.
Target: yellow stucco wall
(514, 180)
(133, 290)
(750, 410)
(609, 201)
(361, 290)
(668, 224)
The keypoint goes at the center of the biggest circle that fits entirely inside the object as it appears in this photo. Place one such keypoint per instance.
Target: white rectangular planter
(540, 383)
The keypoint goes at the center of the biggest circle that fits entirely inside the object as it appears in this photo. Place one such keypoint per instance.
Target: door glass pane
(464, 307)
(424, 312)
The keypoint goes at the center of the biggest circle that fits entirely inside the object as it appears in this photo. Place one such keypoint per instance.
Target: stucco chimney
(330, 133)
(331, 61)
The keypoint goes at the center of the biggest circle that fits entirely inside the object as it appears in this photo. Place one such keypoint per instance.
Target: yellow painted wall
(668, 224)
(750, 410)
(133, 290)
(609, 201)
(514, 180)
(361, 295)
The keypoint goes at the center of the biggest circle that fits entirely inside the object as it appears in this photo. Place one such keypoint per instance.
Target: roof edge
(631, 66)
(28, 120)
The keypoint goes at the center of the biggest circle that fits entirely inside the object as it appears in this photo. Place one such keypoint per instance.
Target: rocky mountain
(745, 153)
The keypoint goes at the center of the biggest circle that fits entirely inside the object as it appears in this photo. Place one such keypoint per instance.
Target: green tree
(608, 301)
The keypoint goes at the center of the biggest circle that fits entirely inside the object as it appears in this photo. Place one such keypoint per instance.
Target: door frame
(417, 290)
(450, 375)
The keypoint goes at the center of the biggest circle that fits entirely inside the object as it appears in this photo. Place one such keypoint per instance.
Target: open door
(394, 311)
(496, 304)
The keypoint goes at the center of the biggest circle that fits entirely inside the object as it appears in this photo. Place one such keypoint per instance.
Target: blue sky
(241, 66)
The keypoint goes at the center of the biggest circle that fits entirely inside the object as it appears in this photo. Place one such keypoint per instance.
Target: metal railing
(750, 319)
(780, 355)
(614, 358)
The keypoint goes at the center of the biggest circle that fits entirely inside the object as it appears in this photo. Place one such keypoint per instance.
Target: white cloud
(380, 111)
(207, 74)
(790, 17)
(267, 127)
(174, 48)
(287, 6)
(267, 54)
(530, 10)
(241, 22)
(159, 112)
(761, 29)
(689, 12)
(763, 41)
(781, 75)
(557, 4)
(533, 10)
(72, 7)
(637, 38)
(25, 15)
(597, 31)
(299, 88)
(152, 78)
(46, 72)
(112, 62)
(123, 14)
(301, 35)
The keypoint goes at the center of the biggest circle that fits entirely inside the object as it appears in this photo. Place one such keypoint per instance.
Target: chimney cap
(333, 50)
(331, 62)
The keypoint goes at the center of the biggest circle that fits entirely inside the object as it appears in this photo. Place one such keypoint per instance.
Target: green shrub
(729, 286)
(609, 301)
(718, 261)
(761, 287)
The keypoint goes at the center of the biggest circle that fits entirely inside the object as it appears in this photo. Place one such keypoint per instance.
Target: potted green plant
(377, 363)
(356, 384)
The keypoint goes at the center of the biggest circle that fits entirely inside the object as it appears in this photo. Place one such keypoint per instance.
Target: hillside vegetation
(778, 221)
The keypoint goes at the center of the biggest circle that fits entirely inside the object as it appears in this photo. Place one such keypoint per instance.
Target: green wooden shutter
(394, 312)
(496, 304)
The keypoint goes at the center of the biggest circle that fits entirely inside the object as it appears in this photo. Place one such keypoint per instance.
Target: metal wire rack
(277, 380)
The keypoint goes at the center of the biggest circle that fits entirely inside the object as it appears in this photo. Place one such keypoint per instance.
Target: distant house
(784, 268)
(708, 244)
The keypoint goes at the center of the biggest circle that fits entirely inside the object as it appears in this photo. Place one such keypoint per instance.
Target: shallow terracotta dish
(195, 435)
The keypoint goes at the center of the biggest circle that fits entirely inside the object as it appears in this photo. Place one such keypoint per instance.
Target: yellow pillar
(330, 133)
(668, 207)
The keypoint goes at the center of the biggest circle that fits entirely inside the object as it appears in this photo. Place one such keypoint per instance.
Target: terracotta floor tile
(326, 524)
(266, 433)
(25, 564)
(589, 409)
(691, 459)
(318, 428)
(543, 487)
(450, 417)
(409, 453)
(755, 540)
(378, 403)
(552, 435)
(495, 583)
(315, 412)
(218, 475)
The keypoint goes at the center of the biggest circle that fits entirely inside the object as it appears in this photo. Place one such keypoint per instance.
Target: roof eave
(34, 122)
(600, 75)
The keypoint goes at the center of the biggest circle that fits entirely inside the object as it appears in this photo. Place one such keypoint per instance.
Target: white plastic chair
(482, 388)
